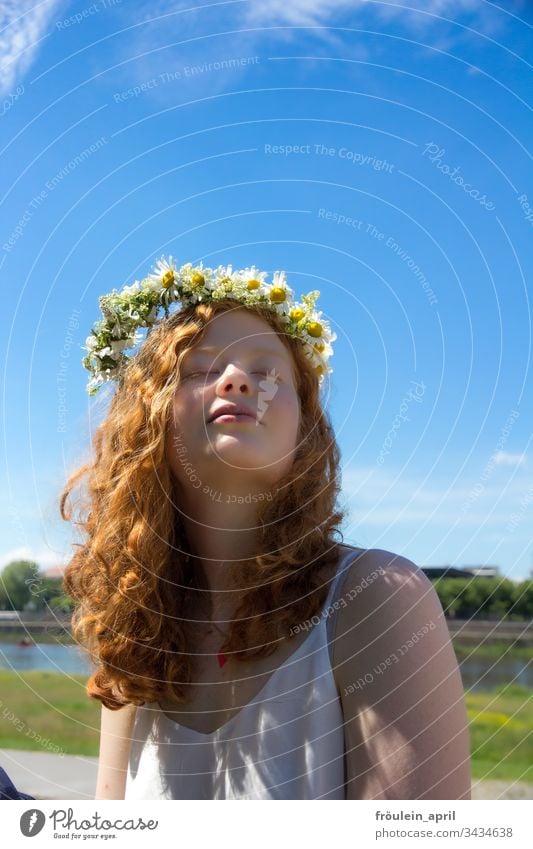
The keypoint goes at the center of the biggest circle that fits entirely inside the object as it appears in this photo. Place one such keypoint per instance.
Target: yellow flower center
(297, 314)
(277, 294)
(253, 283)
(197, 280)
(319, 347)
(319, 370)
(314, 328)
(167, 279)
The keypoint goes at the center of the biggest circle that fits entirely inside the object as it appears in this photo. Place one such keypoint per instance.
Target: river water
(481, 674)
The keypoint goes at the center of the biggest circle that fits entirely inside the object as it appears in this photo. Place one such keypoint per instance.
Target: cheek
(185, 403)
(178, 408)
(177, 432)
(287, 412)
(175, 419)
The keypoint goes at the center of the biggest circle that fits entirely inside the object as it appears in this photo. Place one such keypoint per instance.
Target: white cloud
(296, 12)
(417, 15)
(260, 26)
(22, 27)
(44, 558)
(505, 458)
(420, 15)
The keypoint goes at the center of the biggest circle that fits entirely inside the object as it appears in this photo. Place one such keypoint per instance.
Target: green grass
(57, 707)
(51, 705)
(493, 650)
(501, 733)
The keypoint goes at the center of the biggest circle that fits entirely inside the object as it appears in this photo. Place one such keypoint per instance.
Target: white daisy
(164, 270)
(119, 345)
(91, 343)
(134, 289)
(256, 278)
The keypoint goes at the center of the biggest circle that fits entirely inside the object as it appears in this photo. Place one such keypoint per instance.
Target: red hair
(130, 579)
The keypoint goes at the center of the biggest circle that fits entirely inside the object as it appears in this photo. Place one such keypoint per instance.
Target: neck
(218, 555)
(222, 533)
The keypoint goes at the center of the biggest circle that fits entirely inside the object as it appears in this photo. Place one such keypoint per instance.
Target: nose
(233, 379)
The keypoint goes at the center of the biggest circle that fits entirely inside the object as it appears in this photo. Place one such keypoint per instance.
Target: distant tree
(47, 593)
(523, 599)
(502, 601)
(478, 596)
(485, 598)
(16, 581)
(60, 602)
(4, 603)
(448, 596)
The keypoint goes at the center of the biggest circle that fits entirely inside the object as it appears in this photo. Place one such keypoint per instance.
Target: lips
(232, 410)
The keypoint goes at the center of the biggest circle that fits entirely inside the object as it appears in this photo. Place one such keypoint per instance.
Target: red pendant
(221, 657)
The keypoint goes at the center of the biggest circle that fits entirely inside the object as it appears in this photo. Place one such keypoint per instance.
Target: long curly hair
(130, 580)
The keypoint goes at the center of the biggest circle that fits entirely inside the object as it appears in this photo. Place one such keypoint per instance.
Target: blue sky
(375, 151)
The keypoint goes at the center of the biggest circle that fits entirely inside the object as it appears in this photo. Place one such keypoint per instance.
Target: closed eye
(199, 373)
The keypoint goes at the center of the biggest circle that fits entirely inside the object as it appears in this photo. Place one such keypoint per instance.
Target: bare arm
(406, 728)
(115, 743)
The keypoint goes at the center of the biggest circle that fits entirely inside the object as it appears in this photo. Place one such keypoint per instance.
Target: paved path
(48, 776)
(496, 789)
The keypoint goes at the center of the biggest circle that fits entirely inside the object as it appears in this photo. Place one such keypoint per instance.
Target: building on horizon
(461, 571)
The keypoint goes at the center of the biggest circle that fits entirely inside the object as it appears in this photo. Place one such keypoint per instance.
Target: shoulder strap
(335, 593)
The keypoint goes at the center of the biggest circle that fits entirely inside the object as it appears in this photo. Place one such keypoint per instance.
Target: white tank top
(286, 743)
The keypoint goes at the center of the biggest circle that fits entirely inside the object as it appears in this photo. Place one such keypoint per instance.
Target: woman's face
(242, 361)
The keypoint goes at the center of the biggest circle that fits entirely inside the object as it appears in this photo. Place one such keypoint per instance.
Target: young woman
(240, 651)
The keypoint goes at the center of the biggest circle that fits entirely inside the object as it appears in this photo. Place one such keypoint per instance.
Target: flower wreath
(138, 306)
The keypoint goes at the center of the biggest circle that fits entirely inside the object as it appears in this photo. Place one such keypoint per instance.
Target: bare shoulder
(405, 724)
(375, 578)
(382, 596)
(378, 559)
